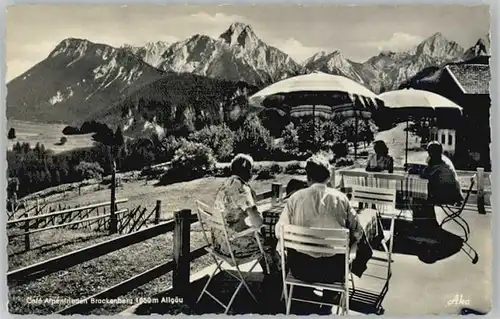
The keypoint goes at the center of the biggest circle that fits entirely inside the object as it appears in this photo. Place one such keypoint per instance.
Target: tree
(219, 138)
(12, 134)
(86, 170)
(254, 139)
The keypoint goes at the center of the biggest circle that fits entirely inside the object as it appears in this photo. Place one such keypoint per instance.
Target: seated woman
(443, 186)
(236, 201)
(381, 160)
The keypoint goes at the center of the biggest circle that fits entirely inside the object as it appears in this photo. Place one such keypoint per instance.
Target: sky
(359, 32)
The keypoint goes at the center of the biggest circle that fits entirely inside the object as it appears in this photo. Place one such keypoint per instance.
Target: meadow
(48, 135)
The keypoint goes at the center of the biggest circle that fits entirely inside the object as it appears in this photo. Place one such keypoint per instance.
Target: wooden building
(466, 84)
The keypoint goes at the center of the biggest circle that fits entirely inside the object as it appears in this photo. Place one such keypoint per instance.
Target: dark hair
(380, 147)
(241, 166)
(318, 169)
(435, 149)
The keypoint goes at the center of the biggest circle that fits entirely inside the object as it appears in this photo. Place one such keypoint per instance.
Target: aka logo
(458, 300)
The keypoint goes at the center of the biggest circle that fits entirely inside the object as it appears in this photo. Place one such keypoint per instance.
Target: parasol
(318, 94)
(411, 103)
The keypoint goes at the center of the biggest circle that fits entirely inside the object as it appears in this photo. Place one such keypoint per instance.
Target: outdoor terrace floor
(419, 286)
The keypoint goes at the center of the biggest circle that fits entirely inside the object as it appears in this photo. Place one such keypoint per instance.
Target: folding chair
(453, 212)
(210, 223)
(382, 198)
(317, 240)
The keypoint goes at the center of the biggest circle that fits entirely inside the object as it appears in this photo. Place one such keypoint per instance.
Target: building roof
(471, 78)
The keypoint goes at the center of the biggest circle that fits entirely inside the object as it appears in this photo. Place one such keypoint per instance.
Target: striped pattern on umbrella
(328, 112)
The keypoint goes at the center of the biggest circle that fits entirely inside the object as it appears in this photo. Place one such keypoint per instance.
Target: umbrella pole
(355, 135)
(406, 148)
(314, 127)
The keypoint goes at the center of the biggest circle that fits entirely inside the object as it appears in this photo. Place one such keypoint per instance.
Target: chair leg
(208, 281)
(289, 301)
(352, 281)
(347, 301)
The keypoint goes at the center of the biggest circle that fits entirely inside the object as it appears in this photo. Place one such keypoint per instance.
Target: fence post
(276, 189)
(182, 249)
(157, 212)
(113, 221)
(27, 235)
(480, 191)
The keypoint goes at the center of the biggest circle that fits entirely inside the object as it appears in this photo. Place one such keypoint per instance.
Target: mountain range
(81, 80)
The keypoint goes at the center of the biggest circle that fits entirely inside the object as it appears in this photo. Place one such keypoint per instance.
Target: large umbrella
(411, 103)
(318, 94)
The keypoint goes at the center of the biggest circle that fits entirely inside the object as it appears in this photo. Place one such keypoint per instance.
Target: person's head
(380, 148)
(435, 150)
(241, 166)
(318, 169)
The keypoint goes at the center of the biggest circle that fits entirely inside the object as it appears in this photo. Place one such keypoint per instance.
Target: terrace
(444, 282)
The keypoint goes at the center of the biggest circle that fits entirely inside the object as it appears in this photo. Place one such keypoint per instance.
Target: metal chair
(453, 212)
(210, 223)
(382, 199)
(317, 240)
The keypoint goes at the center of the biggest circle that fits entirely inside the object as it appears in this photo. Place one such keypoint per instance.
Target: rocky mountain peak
(239, 34)
(71, 46)
(438, 46)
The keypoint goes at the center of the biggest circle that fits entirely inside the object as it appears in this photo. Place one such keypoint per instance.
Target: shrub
(219, 138)
(222, 171)
(265, 173)
(192, 160)
(341, 162)
(276, 169)
(12, 134)
(87, 170)
(71, 130)
(254, 139)
(63, 140)
(292, 168)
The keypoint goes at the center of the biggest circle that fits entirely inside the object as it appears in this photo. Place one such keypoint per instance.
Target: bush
(265, 173)
(222, 171)
(63, 140)
(87, 170)
(192, 160)
(276, 169)
(71, 130)
(219, 138)
(341, 162)
(12, 134)
(293, 168)
(254, 139)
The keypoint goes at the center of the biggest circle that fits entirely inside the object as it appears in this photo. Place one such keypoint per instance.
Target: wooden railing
(179, 265)
(67, 217)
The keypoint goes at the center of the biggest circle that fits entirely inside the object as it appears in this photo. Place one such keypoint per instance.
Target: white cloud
(399, 41)
(295, 49)
(217, 18)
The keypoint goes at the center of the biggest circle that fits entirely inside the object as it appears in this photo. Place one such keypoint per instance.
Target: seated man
(443, 187)
(325, 207)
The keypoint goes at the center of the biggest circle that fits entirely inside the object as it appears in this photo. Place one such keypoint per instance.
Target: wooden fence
(179, 264)
(72, 217)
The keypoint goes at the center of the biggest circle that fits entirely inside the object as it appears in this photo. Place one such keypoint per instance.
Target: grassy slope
(48, 135)
(93, 276)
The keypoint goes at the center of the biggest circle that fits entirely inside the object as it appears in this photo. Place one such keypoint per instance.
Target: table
(369, 220)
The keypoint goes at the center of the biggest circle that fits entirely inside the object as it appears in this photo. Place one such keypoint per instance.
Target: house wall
(473, 135)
